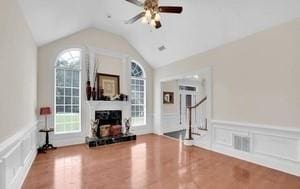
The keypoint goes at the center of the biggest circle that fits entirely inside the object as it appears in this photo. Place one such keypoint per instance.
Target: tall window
(67, 92)
(138, 96)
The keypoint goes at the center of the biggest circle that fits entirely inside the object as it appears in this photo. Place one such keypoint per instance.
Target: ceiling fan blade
(170, 9)
(134, 19)
(136, 2)
(157, 24)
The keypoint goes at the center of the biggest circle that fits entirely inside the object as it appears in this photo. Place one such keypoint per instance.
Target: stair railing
(190, 116)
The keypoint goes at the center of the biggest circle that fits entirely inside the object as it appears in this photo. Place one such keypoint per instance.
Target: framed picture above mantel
(109, 83)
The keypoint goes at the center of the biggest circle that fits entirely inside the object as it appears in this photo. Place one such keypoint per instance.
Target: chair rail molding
(275, 147)
(16, 156)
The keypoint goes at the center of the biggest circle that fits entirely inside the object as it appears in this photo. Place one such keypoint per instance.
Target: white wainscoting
(270, 146)
(170, 123)
(16, 156)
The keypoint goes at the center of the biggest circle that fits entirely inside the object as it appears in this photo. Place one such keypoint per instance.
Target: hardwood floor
(151, 162)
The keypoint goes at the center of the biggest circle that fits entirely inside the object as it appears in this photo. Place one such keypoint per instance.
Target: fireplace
(108, 119)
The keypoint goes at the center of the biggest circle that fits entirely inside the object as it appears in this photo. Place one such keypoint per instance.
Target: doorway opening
(187, 91)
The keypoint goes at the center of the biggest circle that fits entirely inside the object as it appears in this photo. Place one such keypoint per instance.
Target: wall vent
(241, 143)
(161, 48)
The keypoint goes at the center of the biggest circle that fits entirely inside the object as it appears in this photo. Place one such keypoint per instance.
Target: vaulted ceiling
(203, 25)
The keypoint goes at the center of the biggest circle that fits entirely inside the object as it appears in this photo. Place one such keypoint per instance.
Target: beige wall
(110, 65)
(93, 38)
(255, 79)
(17, 71)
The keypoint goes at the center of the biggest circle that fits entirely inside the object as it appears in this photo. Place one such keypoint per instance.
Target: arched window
(138, 95)
(67, 92)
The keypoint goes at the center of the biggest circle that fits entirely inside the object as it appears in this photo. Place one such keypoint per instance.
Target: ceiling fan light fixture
(151, 12)
(148, 14)
(152, 23)
(157, 17)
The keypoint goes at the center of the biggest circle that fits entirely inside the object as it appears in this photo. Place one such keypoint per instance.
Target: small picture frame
(168, 97)
(109, 83)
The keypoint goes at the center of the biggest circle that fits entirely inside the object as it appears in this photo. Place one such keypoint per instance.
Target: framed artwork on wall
(168, 97)
(109, 83)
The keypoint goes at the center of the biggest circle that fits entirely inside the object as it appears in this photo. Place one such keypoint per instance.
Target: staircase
(194, 130)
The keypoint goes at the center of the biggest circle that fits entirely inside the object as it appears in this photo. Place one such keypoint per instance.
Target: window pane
(132, 101)
(59, 77)
(68, 78)
(75, 101)
(60, 91)
(68, 100)
(76, 117)
(76, 126)
(68, 127)
(60, 118)
(68, 118)
(59, 127)
(60, 109)
(68, 91)
(75, 92)
(75, 78)
(136, 70)
(69, 60)
(75, 109)
(140, 101)
(60, 100)
(68, 109)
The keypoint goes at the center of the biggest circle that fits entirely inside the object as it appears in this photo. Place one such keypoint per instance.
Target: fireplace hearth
(110, 123)
(110, 115)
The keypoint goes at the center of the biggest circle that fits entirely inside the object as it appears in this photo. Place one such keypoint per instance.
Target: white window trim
(54, 109)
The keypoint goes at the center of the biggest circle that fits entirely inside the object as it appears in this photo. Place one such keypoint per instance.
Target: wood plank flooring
(152, 162)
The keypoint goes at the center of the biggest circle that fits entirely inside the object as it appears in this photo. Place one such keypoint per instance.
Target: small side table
(46, 146)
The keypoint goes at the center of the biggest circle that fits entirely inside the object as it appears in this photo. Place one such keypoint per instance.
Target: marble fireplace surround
(94, 106)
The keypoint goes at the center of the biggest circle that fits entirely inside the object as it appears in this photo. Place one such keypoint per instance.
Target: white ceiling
(204, 24)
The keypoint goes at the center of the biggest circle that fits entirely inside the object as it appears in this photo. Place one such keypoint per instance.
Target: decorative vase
(88, 90)
(93, 128)
(127, 125)
(94, 94)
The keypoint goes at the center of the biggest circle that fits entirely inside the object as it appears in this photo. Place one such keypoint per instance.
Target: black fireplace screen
(111, 117)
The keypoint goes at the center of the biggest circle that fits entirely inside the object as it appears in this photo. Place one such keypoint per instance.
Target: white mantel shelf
(102, 103)
(99, 105)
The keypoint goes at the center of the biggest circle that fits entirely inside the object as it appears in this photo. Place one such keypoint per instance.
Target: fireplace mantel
(124, 106)
(107, 104)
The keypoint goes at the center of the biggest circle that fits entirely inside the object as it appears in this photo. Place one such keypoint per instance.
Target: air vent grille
(241, 143)
(161, 48)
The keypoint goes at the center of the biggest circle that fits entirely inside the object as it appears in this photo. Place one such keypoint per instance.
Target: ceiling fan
(151, 12)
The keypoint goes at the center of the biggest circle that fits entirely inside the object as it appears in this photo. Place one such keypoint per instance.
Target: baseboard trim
(68, 141)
